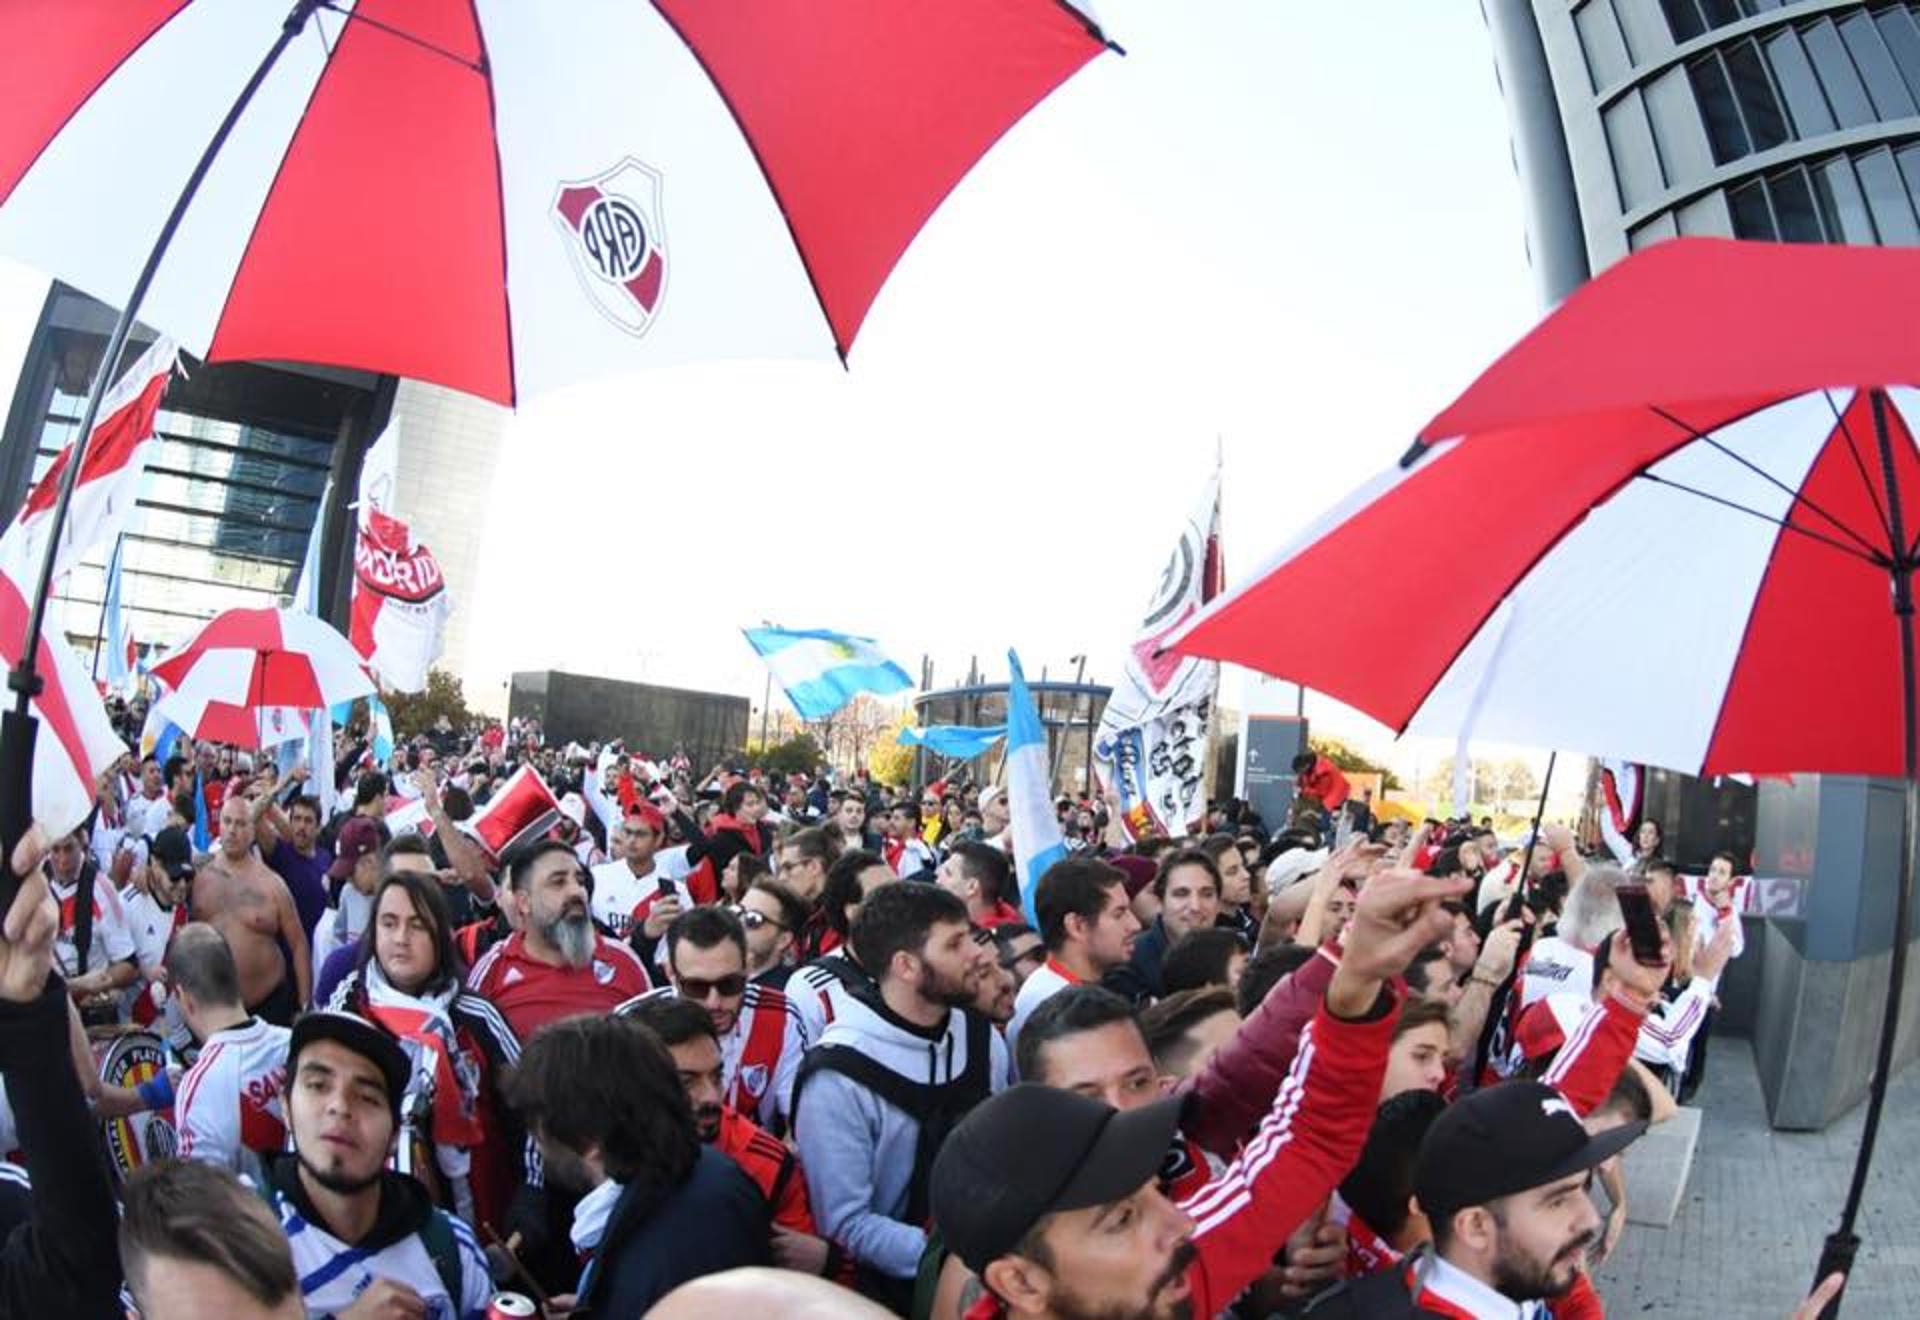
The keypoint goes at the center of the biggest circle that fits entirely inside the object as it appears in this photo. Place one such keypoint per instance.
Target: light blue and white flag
(380, 731)
(822, 671)
(1037, 843)
(119, 664)
(306, 592)
(960, 741)
(314, 751)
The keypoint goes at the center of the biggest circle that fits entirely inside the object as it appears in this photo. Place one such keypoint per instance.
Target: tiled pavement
(1759, 1203)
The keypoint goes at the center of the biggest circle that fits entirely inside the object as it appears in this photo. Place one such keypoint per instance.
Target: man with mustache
(1052, 1197)
(1502, 1178)
(555, 964)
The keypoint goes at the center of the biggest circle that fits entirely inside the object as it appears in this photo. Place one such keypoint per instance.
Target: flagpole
(100, 627)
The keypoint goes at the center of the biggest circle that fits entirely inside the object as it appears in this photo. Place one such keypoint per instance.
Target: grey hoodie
(858, 1149)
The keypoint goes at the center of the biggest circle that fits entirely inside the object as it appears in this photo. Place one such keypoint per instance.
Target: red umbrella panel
(247, 669)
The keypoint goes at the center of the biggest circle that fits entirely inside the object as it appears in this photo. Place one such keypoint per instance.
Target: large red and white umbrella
(504, 196)
(1676, 523)
(251, 676)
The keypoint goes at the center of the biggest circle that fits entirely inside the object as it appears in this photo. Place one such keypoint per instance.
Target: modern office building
(1070, 711)
(1635, 121)
(246, 455)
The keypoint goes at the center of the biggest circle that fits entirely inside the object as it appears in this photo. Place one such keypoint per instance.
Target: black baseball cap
(1505, 1139)
(173, 850)
(1032, 1151)
(356, 1033)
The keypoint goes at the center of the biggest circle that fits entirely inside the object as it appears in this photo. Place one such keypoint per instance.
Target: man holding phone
(630, 891)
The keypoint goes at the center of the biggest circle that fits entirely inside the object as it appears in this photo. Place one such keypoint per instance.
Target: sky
(1288, 233)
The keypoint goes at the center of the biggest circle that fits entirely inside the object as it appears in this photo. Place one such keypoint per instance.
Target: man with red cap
(627, 889)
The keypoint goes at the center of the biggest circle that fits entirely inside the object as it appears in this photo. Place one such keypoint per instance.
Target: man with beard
(367, 1242)
(759, 1032)
(659, 1206)
(687, 1032)
(1502, 1178)
(1053, 1199)
(249, 905)
(555, 964)
(290, 842)
(897, 1067)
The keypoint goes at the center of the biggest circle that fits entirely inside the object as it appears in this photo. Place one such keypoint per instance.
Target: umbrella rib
(1859, 465)
(1865, 545)
(332, 7)
(1869, 555)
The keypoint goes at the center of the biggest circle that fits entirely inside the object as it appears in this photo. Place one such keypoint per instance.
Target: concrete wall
(1822, 984)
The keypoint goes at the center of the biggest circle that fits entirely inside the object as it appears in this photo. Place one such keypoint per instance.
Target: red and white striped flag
(76, 741)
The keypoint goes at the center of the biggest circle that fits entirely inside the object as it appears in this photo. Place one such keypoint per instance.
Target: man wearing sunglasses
(760, 1035)
(772, 915)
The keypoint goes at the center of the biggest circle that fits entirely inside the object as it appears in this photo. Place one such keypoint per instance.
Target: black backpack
(1385, 1295)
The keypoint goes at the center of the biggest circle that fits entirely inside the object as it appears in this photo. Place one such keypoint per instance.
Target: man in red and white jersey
(94, 950)
(228, 1106)
(1088, 926)
(1052, 1197)
(555, 964)
(627, 890)
(758, 1030)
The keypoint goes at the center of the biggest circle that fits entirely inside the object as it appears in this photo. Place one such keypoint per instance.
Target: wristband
(1481, 980)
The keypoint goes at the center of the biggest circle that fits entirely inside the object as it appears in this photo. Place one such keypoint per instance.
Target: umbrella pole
(1843, 1242)
(16, 730)
(1496, 1002)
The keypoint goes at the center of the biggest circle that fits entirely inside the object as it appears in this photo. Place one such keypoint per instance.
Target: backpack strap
(436, 1235)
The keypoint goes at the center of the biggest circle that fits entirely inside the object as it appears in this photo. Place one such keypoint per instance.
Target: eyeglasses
(1013, 960)
(727, 987)
(753, 919)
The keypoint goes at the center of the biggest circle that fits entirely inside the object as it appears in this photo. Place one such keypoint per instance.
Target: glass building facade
(231, 493)
(1796, 120)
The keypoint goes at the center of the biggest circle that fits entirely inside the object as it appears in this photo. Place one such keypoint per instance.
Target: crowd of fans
(726, 1041)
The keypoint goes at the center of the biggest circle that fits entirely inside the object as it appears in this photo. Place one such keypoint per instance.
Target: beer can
(511, 1306)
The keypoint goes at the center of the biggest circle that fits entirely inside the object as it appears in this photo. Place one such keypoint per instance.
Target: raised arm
(296, 942)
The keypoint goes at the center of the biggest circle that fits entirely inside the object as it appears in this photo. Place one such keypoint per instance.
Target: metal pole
(1496, 1002)
(1838, 1252)
(18, 729)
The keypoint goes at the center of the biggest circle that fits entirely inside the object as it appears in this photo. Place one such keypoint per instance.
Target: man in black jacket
(64, 1261)
(604, 1100)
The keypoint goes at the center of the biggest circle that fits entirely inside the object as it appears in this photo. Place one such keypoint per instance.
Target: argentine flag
(822, 671)
(961, 742)
(1037, 843)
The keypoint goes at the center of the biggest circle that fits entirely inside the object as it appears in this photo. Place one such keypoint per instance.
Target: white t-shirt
(146, 817)
(333, 1274)
(1553, 967)
(1046, 982)
(622, 900)
(112, 942)
(340, 927)
(227, 1106)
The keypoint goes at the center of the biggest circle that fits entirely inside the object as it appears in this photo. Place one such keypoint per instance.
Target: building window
(1794, 209)
(1636, 163)
(1752, 217)
(1806, 103)
(1842, 207)
(1677, 129)
(1845, 92)
(1660, 227)
(1693, 18)
(1645, 27)
(1754, 92)
(1887, 198)
(1726, 133)
(1706, 217)
(1891, 99)
(1606, 49)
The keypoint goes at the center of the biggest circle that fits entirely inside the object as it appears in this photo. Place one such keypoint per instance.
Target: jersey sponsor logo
(616, 242)
(1551, 971)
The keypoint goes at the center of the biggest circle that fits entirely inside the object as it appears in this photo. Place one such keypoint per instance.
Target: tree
(888, 760)
(1344, 756)
(1516, 782)
(798, 755)
(420, 712)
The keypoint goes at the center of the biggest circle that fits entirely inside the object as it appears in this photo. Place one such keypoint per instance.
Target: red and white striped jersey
(227, 1106)
(622, 900)
(760, 1056)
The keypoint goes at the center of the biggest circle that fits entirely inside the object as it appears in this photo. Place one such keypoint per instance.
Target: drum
(128, 1058)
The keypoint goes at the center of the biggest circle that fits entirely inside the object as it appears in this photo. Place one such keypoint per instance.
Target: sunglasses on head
(692, 987)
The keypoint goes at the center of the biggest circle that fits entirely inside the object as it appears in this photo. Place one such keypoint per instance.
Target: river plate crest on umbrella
(615, 239)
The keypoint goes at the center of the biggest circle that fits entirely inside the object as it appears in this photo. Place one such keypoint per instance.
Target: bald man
(249, 904)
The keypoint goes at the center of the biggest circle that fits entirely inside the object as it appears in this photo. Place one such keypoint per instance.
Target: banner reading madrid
(822, 671)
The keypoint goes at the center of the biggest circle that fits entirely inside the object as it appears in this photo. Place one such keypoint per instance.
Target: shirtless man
(250, 905)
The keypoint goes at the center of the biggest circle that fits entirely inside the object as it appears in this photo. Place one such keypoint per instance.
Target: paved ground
(1759, 1203)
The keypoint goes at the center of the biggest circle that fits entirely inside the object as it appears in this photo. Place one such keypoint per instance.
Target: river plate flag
(1156, 736)
(400, 604)
(821, 671)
